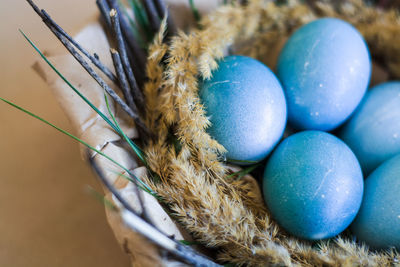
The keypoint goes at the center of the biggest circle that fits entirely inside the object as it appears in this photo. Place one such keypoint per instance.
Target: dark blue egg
(378, 221)
(373, 132)
(324, 69)
(313, 185)
(246, 106)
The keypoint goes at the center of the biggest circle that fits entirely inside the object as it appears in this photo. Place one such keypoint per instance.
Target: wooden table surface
(47, 218)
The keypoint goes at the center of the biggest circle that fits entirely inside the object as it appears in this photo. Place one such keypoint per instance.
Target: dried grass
(228, 214)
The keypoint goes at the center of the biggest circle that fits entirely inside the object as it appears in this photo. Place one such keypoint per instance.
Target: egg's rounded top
(324, 69)
(246, 107)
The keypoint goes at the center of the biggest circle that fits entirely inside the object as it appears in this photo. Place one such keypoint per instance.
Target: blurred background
(47, 218)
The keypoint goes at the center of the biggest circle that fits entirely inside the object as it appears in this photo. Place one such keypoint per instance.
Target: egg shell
(378, 221)
(373, 132)
(324, 69)
(313, 185)
(246, 106)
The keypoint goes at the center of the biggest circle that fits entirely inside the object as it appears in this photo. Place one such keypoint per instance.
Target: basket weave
(227, 214)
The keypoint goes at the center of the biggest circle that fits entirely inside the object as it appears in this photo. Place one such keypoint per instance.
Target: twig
(122, 78)
(133, 220)
(125, 62)
(104, 10)
(143, 132)
(162, 12)
(93, 59)
(83, 63)
(114, 191)
(152, 14)
(137, 52)
(96, 77)
(50, 23)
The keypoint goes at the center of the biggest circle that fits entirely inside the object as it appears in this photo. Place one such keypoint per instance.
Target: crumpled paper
(91, 128)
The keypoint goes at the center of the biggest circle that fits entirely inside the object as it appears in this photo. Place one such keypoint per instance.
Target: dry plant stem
(138, 95)
(162, 12)
(105, 11)
(138, 54)
(97, 78)
(84, 64)
(114, 191)
(144, 133)
(141, 224)
(93, 59)
(122, 78)
(50, 22)
(152, 14)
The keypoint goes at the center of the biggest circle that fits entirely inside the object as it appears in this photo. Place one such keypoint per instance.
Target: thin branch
(143, 132)
(114, 191)
(122, 78)
(104, 10)
(144, 213)
(152, 14)
(138, 53)
(93, 59)
(133, 220)
(97, 78)
(83, 63)
(50, 23)
(138, 95)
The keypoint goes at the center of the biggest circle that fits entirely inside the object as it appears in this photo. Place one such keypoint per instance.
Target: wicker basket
(226, 216)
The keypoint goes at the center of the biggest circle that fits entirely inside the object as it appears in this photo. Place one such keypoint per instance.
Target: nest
(222, 212)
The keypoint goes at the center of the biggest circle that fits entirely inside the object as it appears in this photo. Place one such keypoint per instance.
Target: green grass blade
(243, 172)
(189, 243)
(114, 126)
(145, 187)
(68, 83)
(141, 18)
(236, 161)
(135, 27)
(196, 13)
(138, 11)
(134, 147)
(101, 198)
(126, 177)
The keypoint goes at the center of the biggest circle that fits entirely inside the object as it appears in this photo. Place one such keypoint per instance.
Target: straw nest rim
(226, 213)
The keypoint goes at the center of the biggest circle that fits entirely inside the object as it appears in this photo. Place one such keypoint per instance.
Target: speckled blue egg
(373, 132)
(313, 185)
(246, 106)
(378, 221)
(324, 69)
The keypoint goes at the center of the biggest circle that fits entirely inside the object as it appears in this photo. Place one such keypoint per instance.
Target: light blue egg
(378, 221)
(313, 185)
(246, 106)
(324, 69)
(373, 132)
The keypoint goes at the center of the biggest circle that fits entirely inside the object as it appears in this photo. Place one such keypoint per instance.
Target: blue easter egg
(373, 132)
(324, 69)
(378, 221)
(246, 106)
(313, 185)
